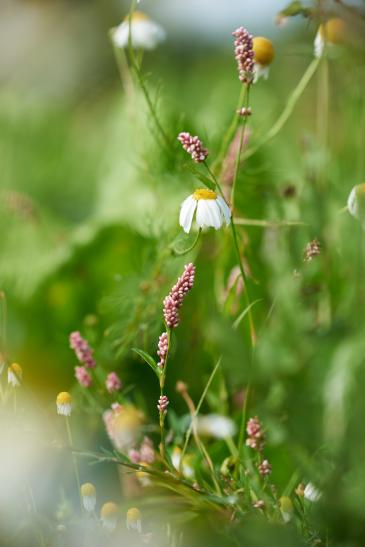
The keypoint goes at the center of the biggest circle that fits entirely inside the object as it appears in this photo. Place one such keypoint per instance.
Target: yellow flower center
(334, 31)
(263, 50)
(137, 16)
(204, 193)
(88, 490)
(63, 398)
(109, 510)
(133, 514)
(16, 369)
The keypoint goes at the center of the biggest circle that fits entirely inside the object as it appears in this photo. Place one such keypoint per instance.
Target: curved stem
(175, 252)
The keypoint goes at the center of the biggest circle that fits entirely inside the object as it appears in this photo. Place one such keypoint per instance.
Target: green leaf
(148, 359)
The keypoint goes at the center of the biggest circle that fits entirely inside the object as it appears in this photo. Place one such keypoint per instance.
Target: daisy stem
(175, 252)
(74, 460)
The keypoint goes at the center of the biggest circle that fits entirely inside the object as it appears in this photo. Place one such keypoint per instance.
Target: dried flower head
(244, 54)
(312, 250)
(64, 403)
(83, 377)
(193, 146)
(174, 300)
(83, 351)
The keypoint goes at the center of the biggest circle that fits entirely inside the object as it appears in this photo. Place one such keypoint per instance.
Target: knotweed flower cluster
(83, 351)
(312, 250)
(174, 300)
(256, 441)
(162, 349)
(113, 382)
(83, 377)
(145, 454)
(244, 54)
(162, 404)
(193, 146)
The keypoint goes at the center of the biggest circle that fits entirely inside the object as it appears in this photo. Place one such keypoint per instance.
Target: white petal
(186, 213)
(215, 215)
(318, 45)
(225, 209)
(351, 203)
(202, 219)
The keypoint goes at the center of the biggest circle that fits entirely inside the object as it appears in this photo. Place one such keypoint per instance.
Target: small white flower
(187, 469)
(109, 516)
(145, 33)
(64, 403)
(211, 210)
(216, 425)
(356, 202)
(15, 374)
(88, 496)
(311, 493)
(134, 520)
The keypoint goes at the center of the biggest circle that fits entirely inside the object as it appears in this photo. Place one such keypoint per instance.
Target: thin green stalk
(288, 110)
(175, 252)
(269, 223)
(239, 152)
(4, 318)
(74, 460)
(322, 116)
(162, 385)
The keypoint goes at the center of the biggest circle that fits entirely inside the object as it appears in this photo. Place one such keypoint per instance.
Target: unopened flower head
(174, 300)
(163, 347)
(243, 51)
(263, 56)
(134, 519)
(244, 112)
(333, 32)
(83, 351)
(83, 377)
(145, 33)
(211, 210)
(88, 496)
(312, 493)
(109, 516)
(64, 403)
(162, 404)
(113, 382)
(356, 202)
(15, 374)
(216, 426)
(193, 146)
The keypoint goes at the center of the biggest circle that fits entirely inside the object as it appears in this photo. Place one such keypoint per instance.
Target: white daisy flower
(186, 468)
(333, 32)
(211, 210)
(109, 516)
(88, 496)
(263, 57)
(15, 373)
(356, 202)
(145, 33)
(312, 493)
(64, 403)
(216, 425)
(134, 520)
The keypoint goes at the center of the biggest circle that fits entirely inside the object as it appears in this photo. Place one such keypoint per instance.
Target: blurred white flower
(333, 32)
(263, 56)
(356, 202)
(286, 508)
(145, 33)
(109, 516)
(186, 468)
(134, 519)
(312, 493)
(64, 403)
(211, 210)
(215, 425)
(88, 496)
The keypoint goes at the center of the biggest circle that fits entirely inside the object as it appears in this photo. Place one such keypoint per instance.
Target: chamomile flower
(211, 210)
(263, 56)
(356, 202)
(88, 496)
(15, 373)
(64, 403)
(333, 32)
(186, 467)
(145, 33)
(109, 516)
(215, 425)
(134, 519)
(312, 493)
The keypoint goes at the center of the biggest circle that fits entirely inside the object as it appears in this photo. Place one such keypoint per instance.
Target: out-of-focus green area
(89, 202)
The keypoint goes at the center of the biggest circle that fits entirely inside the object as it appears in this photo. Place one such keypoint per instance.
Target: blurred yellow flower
(109, 516)
(15, 373)
(333, 32)
(134, 519)
(88, 496)
(64, 403)
(263, 57)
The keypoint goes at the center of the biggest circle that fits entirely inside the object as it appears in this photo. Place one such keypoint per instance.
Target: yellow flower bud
(334, 31)
(263, 50)
(134, 519)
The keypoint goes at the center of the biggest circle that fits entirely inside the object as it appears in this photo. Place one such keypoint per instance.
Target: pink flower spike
(175, 298)
(244, 54)
(83, 351)
(113, 382)
(162, 349)
(163, 403)
(193, 146)
(83, 377)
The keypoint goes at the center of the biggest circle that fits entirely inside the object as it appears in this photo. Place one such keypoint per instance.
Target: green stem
(74, 460)
(4, 318)
(162, 385)
(289, 107)
(238, 157)
(175, 252)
